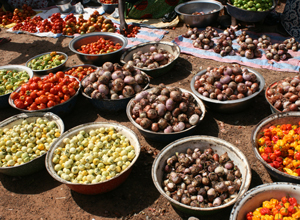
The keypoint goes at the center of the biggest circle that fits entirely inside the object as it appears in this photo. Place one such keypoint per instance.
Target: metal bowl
(254, 197)
(39, 162)
(108, 8)
(112, 105)
(4, 98)
(245, 15)
(202, 142)
(104, 186)
(145, 47)
(160, 136)
(64, 6)
(98, 59)
(186, 9)
(229, 106)
(60, 109)
(52, 70)
(274, 119)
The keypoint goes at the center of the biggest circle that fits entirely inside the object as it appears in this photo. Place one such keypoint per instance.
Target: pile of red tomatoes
(101, 46)
(17, 16)
(40, 93)
(80, 72)
(131, 31)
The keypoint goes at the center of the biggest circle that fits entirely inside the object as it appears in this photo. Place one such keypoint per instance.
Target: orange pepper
(284, 211)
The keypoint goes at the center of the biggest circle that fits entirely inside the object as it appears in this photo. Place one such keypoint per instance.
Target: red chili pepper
(277, 153)
(268, 150)
(291, 209)
(249, 216)
(275, 139)
(297, 156)
(293, 201)
(265, 211)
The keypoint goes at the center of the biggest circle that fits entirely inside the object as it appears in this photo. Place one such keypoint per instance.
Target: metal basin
(98, 59)
(202, 142)
(64, 6)
(101, 187)
(254, 197)
(52, 70)
(247, 16)
(185, 11)
(274, 119)
(160, 136)
(145, 47)
(39, 162)
(229, 106)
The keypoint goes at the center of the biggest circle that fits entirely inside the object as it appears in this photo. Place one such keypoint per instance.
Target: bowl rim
(111, 100)
(48, 160)
(24, 115)
(12, 67)
(215, 101)
(150, 43)
(258, 189)
(71, 43)
(12, 104)
(245, 183)
(269, 87)
(273, 6)
(258, 127)
(199, 102)
(199, 1)
(40, 71)
(83, 65)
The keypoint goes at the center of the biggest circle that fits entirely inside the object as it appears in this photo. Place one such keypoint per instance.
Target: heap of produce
(226, 83)
(204, 39)
(224, 46)
(131, 31)
(112, 81)
(47, 61)
(201, 179)
(152, 59)
(193, 33)
(165, 109)
(93, 156)
(10, 80)
(292, 44)
(41, 93)
(285, 208)
(248, 46)
(101, 46)
(17, 16)
(230, 32)
(284, 95)
(277, 52)
(279, 147)
(26, 141)
(253, 5)
(263, 41)
(80, 72)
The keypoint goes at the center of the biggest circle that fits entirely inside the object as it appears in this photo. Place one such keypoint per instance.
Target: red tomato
(50, 104)
(297, 156)
(19, 104)
(14, 95)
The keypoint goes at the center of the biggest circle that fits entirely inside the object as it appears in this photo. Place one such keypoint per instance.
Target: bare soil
(39, 196)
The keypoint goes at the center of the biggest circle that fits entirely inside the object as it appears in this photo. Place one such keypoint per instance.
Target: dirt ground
(39, 196)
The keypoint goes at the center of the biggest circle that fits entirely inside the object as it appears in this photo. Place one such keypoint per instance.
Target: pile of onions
(248, 46)
(112, 81)
(230, 32)
(224, 46)
(284, 95)
(165, 109)
(201, 179)
(193, 33)
(204, 41)
(154, 58)
(292, 44)
(277, 52)
(263, 41)
(227, 83)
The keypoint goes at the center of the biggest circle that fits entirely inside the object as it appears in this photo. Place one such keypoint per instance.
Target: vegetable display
(154, 58)
(80, 72)
(131, 31)
(26, 141)
(226, 83)
(284, 95)
(165, 109)
(253, 5)
(17, 16)
(41, 93)
(47, 61)
(112, 81)
(279, 148)
(201, 179)
(10, 80)
(101, 46)
(93, 156)
(285, 208)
